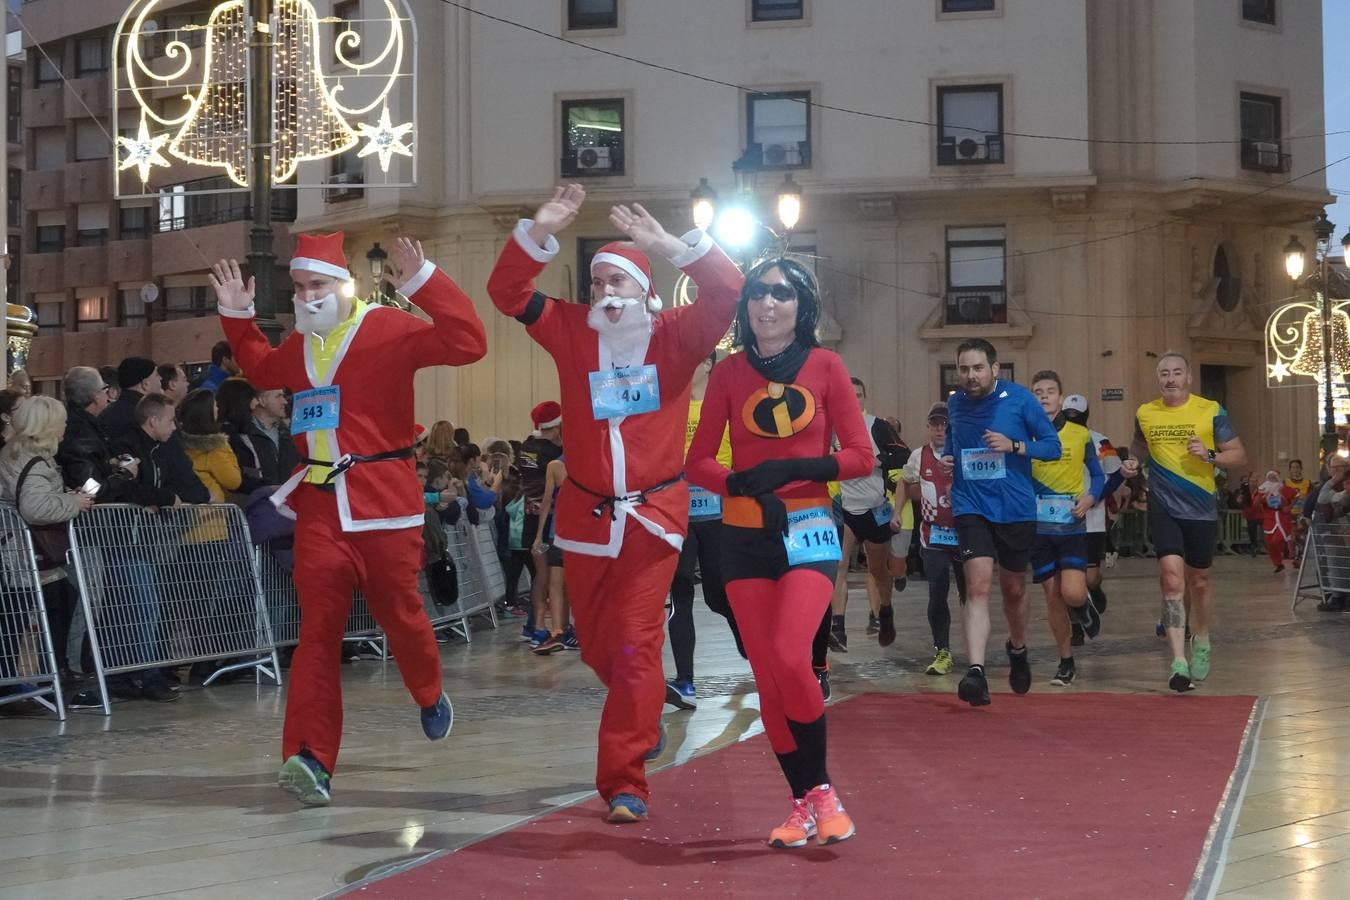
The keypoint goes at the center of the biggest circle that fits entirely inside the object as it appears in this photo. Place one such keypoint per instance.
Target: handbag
(443, 581)
(50, 542)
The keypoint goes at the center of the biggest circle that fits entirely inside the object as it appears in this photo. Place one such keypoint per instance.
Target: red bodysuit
(778, 606)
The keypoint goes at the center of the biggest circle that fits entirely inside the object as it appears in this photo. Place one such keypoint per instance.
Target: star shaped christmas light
(385, 139)
(1279, 371)
(143, 151)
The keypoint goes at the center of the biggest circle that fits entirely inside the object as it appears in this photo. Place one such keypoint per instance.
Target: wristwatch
(1211, 455)
(1017, 446)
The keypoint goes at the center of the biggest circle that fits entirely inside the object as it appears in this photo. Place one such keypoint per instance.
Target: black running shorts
(1191, 539)
(1052, 553)
(1096, 548)
(1008, 543)
(865, 528)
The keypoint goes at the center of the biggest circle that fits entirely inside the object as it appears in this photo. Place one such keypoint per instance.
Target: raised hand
(643, 229)
(558, 212)
(408, 259)
(231, 291)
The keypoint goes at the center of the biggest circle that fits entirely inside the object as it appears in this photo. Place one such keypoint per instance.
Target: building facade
(1086, 184)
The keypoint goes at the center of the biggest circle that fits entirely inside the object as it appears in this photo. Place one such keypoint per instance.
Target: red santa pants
(330, 565)
(618, 608)
(1276, 544)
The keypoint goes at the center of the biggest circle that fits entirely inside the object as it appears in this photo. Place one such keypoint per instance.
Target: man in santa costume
(357, 501)
(622, 514)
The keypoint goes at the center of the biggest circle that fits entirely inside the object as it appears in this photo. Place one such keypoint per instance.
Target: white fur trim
(421, 277)
(624, 263)
(699, 241)
(305, 264)
(553, 423)
(543, 254)
(247, 313)
(654, 304)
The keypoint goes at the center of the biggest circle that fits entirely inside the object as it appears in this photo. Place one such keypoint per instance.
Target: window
(593, 138)
(949, 378)
(186, 206)
(348, 12)
(586, 250)
(345, 172)
(134, 312)
(50, 315)
(775, 10)
(133, 222)
(12, 273)
(186, 302)
(90, 141)
(778, 129)
(51, 238)
(91, 237)
(1261, 133)
(47, 67)
(960, 6)
(14, 111)
(89, 310)
(590, 14)
(1228, 292)
(970, 125)
(14, 196)
(91, 56)
(976, 293)
(1262, 11)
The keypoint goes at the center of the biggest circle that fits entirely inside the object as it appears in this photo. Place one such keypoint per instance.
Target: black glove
(772, 474)
(775, 513)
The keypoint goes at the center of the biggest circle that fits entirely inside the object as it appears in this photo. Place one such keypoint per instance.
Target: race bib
(1273, 501)
(882, 514)
(812, 537)
(983, 465)
(704, 504)
(1055, 509)
(941, 536)
(318, 409)
(622, 392)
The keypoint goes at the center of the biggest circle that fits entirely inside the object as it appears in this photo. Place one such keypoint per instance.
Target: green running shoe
(1200, 661)
(1181, 677)
(307, 780)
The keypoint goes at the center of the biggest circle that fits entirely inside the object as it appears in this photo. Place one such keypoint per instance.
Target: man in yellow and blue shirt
(1066, 489)
(1183, 438)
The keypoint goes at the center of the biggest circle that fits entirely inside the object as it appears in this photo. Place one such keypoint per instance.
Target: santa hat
(546, 415)
(321, 253)
(633, 261)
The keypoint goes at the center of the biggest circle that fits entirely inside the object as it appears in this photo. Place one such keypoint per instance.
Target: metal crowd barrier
(1325, 568)
(1132, 536)
(27, 662)
(473, 549)
(283, 606)
(169, 588)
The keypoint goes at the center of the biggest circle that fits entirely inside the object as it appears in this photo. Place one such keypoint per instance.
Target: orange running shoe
(832, 823)
(798, 828)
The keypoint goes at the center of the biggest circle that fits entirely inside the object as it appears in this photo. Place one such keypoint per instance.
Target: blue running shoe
(438, 719)
(569, 639)
(309, 781)
(538, 637)
(625, 808)
(681, 694)
(658, 749)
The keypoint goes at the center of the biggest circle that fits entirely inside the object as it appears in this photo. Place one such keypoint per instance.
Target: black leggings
(516, 560)
(1256, 536)
(939, 566)
(700, 546)
(60, 599)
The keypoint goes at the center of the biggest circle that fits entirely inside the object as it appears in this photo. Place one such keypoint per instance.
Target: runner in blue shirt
(996, 428)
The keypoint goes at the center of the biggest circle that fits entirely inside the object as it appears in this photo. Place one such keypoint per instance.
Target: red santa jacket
(1277, 509)
(622, 456)
(373, 367)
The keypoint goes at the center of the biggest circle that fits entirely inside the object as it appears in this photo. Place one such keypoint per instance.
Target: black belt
(350, 459)
(637, 498)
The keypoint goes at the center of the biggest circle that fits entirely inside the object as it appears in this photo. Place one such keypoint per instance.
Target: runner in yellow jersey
(1183, 437)
(1066, 489)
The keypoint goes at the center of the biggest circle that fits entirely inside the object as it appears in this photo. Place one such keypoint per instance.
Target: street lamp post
(1295, 258)
(378, 259)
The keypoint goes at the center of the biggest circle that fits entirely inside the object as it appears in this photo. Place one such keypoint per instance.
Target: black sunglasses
(781, 292)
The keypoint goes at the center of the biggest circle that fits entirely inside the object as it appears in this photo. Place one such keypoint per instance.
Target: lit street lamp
(378, 258)
(1295, 262)
(789, 202)
(704, 204)
(737, 225)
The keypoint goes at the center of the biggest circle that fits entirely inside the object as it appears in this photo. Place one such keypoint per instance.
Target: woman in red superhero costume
(782, 399)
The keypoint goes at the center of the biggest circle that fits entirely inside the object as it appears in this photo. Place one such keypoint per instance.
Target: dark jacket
(120, 416)
(119, 423)
(152, 474)
(85, 453)
(262, 461)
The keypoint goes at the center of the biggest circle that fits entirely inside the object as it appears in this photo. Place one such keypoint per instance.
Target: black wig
(808, 302)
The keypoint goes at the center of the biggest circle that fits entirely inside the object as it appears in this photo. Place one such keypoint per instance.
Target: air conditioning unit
(1267, 154)
(344, 187)
(593, 159)
(972, 308)
(789, 154)
(970, 150)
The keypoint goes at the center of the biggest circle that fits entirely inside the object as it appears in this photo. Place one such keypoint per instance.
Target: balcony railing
(977, 306)
(185, 211)
(1264, 156)
(970, 150)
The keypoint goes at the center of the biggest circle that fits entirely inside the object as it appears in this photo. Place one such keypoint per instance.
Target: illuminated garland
(317, 112)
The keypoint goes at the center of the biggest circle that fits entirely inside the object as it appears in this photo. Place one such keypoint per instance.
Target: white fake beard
(625, 335)
(317, 316)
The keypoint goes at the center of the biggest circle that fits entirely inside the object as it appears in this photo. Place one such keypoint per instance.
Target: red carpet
(1077, 795)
